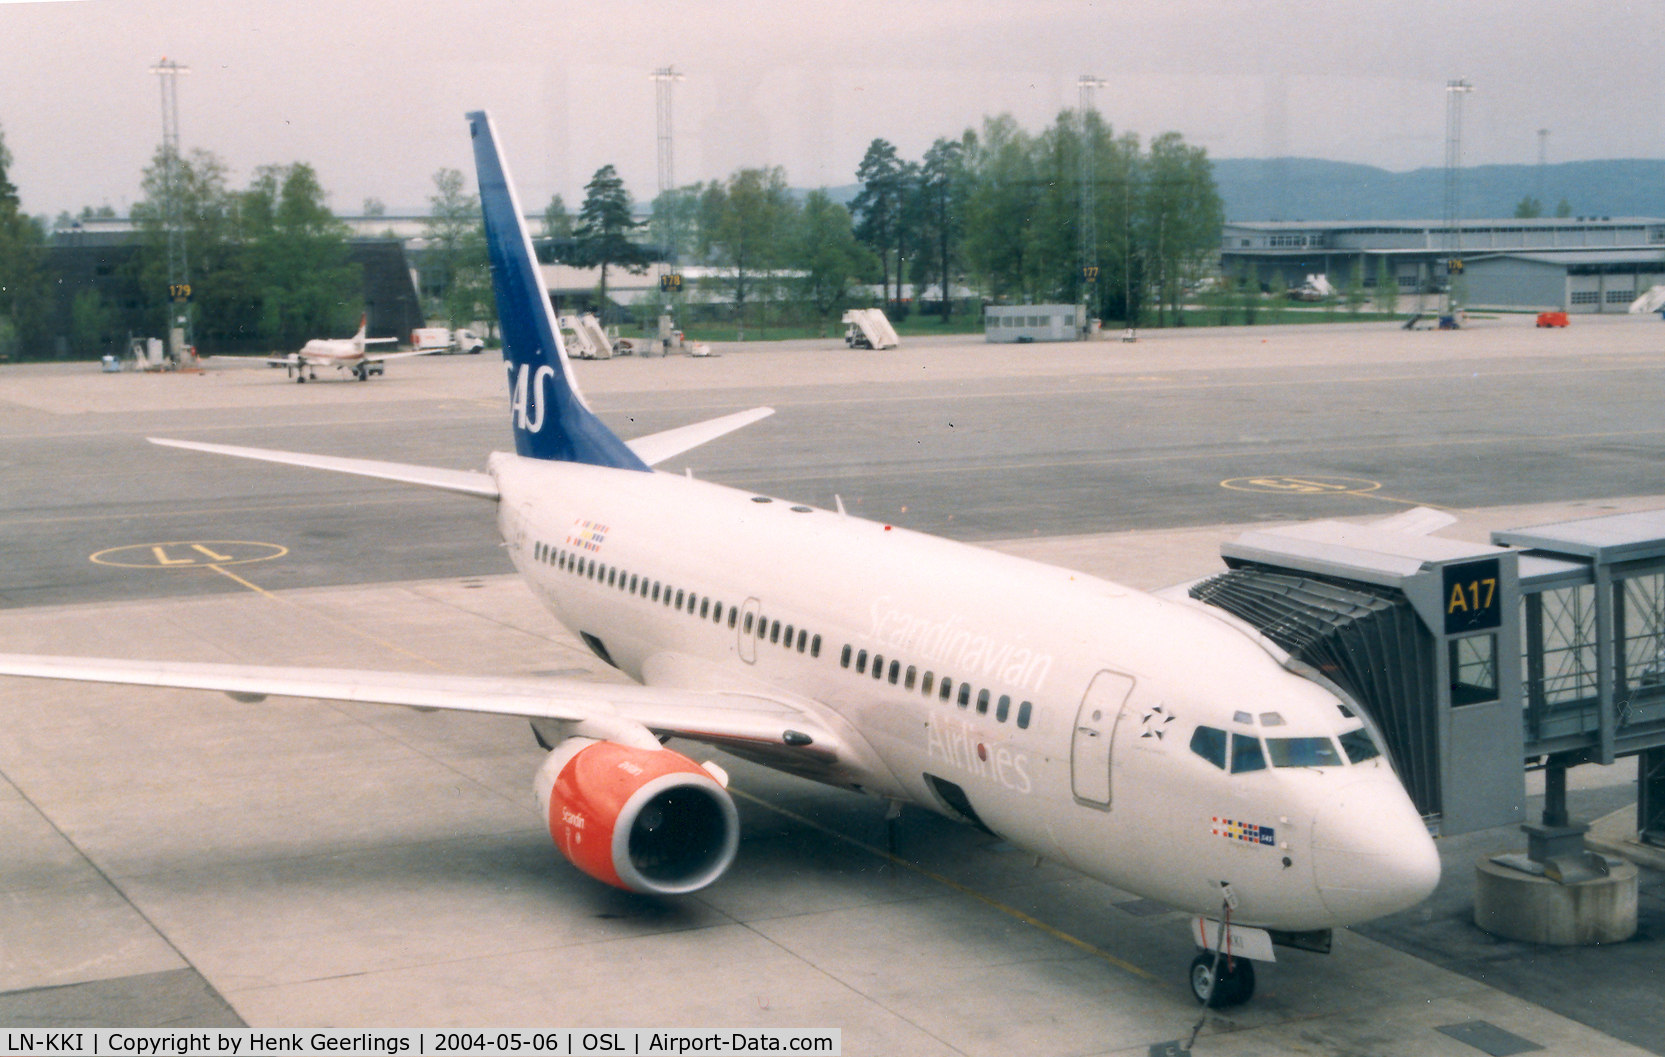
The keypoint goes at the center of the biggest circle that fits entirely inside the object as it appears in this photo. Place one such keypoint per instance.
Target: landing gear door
(1095, 726)
(747, 631)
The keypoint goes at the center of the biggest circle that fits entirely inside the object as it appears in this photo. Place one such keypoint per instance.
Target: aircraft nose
(1371, 853)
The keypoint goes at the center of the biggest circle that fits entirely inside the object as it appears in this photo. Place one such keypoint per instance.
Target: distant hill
(1310, 189)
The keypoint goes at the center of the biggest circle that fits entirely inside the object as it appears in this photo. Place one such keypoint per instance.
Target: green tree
(296, 257)
(24, 288)
(828, 258)
(999, 203)
(1563, 208)
(92, 322)
(745, 225)
(879, 206)
(1355, 295)
(1182, 218)
(1528, 208)
(457, 271)
(1387, 287)
(557, 222)
(224, 307)
(942, 189)
(605, 224)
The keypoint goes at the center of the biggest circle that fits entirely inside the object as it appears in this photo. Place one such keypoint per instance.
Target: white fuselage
(1075, 734)
(332, 352)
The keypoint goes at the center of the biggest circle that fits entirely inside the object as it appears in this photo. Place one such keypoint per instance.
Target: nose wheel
(1234, 986)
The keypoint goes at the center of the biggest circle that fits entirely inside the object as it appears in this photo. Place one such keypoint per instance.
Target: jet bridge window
(1246, 754)
(1210, 744)
(1359, 745)
(1302, 752)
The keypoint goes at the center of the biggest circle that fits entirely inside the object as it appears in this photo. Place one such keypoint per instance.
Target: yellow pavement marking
(312, 614)
(1027, 919)
(175, 554)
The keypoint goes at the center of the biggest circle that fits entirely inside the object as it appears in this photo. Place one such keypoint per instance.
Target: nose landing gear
(1219, 981)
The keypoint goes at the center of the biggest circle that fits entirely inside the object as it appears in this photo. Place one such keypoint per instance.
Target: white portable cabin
(1023, 323)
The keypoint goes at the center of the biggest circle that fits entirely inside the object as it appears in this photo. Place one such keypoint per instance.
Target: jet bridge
(1546, 647)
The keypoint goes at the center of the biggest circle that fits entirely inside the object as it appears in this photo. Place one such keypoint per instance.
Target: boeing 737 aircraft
(340, 353)
(1149, 741)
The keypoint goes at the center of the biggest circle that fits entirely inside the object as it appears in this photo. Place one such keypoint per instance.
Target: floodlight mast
(1089, 197)
(173, 211)
(664, 78)
(1454, 92)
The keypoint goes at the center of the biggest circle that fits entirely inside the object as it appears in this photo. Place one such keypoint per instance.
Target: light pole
(179, 265)
(1089, 196)
(1454, 92)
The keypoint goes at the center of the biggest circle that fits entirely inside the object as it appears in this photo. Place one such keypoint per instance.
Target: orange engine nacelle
(645, 820)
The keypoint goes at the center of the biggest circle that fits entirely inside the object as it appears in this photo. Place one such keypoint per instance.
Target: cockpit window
(1246, 754)
(1271, 719)
(1359, 746)
(1210, 744)
(1303, 752)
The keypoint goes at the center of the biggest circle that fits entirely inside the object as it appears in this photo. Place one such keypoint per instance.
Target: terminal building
(1571, 264)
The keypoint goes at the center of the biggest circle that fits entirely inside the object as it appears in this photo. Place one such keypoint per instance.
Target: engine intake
(646, 820)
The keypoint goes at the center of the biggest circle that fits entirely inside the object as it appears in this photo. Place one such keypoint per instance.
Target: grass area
(911, 327)
(915, 326)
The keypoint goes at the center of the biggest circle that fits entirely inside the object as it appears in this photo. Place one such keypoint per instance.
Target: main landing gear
(1219, 980)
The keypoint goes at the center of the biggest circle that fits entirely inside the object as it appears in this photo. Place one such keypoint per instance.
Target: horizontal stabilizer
(468, 482)
(657, 447)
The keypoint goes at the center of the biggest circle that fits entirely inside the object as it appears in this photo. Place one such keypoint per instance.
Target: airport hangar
(1572, 264)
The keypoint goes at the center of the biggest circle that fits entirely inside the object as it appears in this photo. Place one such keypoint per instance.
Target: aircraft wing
(468, 482)
(381, 357)
(611, 709)
(657, 447)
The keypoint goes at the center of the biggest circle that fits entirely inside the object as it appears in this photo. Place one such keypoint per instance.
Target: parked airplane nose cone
(1371, 852)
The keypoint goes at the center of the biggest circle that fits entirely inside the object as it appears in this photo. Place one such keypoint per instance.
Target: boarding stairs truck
(586, 337)
(867, 328)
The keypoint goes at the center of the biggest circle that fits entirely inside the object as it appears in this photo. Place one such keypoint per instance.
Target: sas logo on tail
(528, 405)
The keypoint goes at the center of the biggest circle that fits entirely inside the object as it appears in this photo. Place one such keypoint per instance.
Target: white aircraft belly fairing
(1155, 746)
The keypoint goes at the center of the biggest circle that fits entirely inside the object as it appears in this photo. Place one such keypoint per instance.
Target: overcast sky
(372, 94)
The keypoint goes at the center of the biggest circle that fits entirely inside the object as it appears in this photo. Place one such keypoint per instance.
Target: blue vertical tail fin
(550, 418)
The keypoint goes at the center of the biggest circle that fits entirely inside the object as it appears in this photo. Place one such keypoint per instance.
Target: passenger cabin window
(861, 662)
(895, 671)
(1359, 746)
(982, 702)
(733, 615)
(925, 684)
(844, 658)
(788, 636)
(1002, 708)
(774, 632)
(803, 639)
(947, 688)
(1246, 754)
(815, 646)
(1302, 752)
(909, 677)
(679, 597)
(747, 628)
(965, 695)
(1023, 716)
(878, 666)
(1210, 744)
